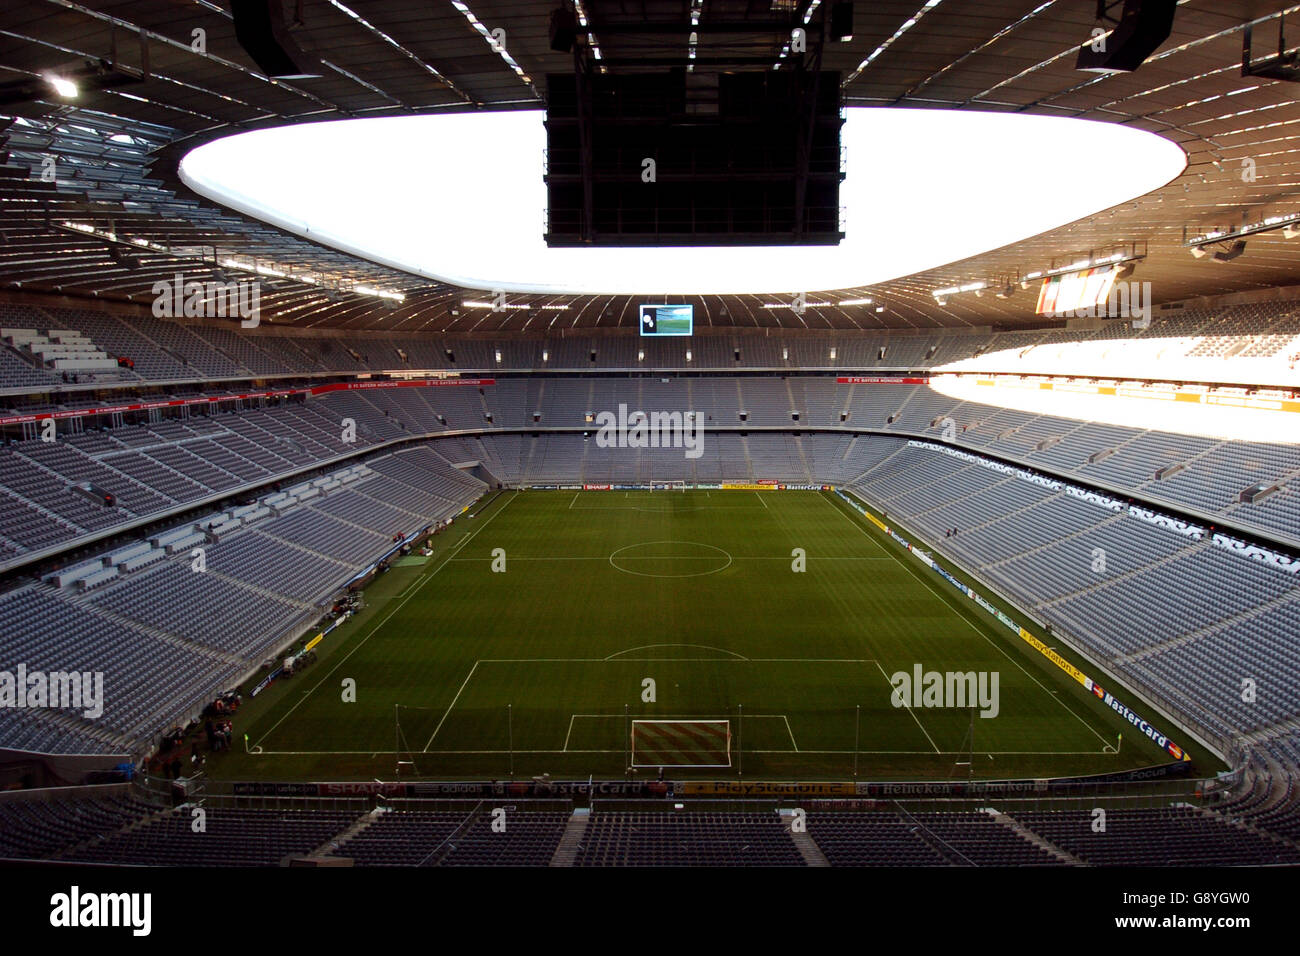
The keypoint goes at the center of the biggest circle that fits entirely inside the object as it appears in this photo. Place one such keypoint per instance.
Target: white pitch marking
(729, 660)
(791, 733)
(865, 753)
(910, 711)
(747, 557)
(451, 705)
(706, 647)
(380, 624)
(970, 624)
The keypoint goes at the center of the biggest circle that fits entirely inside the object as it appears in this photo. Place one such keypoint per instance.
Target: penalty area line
(910, 711)
(803, 753)
(429, 577)
(447, 712)
(906, 563)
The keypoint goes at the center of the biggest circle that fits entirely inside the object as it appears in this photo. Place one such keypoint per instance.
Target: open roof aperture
(460, 198)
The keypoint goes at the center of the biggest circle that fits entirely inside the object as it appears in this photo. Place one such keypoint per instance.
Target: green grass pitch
(462, 671)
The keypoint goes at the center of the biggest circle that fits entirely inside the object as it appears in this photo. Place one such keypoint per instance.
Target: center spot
(670, 559)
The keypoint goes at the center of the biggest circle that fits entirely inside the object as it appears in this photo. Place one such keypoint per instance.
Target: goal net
(681, 743)
(665, 485)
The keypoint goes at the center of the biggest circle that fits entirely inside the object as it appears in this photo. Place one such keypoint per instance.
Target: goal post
(681, 743)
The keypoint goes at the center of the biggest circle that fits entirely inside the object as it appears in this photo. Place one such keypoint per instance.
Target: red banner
(879, 380)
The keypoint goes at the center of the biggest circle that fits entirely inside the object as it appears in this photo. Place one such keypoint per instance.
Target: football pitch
(714, 633)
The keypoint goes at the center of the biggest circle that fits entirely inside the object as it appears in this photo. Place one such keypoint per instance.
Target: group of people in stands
(217, 727)
(218, 733)
(227, 703)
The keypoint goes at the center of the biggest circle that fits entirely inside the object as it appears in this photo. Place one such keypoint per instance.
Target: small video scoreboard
(667, 319)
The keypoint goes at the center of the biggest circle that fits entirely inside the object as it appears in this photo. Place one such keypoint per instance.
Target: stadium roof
(116, 146)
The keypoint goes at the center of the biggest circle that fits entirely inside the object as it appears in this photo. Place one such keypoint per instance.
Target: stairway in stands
(337, 841)
(1035, 838)
(571, 841)
(803, 841)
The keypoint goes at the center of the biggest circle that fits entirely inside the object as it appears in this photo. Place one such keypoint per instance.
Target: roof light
(65, 88)
(953, 290)
(477, 304)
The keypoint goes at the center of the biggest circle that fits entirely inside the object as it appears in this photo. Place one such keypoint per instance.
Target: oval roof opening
(459, 198)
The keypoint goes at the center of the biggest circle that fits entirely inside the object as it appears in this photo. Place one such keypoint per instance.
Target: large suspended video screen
(1076, 291)
(667, 319)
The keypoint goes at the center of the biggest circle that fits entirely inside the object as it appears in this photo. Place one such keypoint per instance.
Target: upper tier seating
(153, 468)
(162, 350)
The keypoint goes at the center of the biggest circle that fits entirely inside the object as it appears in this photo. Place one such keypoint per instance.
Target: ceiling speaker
(262, 32)
(564, 30)
(1143, 26)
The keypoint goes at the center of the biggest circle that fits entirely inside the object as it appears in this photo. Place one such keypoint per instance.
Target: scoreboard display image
(667, 319)
(1076, 291)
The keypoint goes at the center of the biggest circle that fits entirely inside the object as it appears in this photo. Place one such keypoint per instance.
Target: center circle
(670, 559)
